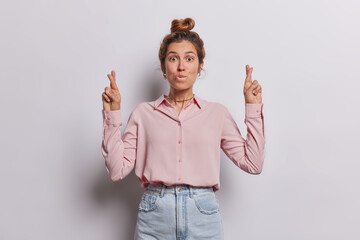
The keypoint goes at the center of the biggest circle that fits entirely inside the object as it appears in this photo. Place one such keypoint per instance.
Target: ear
(163, 68)
(201, 66)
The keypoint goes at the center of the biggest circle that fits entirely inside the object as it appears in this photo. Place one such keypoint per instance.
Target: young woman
(174, 144)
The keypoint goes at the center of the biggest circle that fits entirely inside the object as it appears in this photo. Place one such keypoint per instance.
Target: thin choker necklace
(181, 100)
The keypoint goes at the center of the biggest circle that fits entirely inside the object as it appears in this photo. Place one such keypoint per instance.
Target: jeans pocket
(149, 201)
(207, 203)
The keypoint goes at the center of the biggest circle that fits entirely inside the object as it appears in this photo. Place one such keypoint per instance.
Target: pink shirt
(168, 148)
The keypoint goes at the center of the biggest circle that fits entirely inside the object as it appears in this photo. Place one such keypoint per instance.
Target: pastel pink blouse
(168, 148)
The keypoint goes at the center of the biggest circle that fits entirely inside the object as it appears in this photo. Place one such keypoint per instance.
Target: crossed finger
(113, 84)
(249, 70)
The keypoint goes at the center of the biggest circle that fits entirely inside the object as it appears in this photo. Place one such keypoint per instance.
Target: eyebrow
(185, 52)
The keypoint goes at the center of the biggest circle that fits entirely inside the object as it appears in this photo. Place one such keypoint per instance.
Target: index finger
(248, 73)
(113, 84)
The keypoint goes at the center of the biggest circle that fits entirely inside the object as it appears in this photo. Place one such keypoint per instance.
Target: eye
(171, 58)
(190, 58)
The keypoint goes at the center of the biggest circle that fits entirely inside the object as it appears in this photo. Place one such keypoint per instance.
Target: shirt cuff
(253, 110)
(112, 117)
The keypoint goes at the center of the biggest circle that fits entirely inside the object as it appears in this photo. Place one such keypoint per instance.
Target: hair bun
(182, 25)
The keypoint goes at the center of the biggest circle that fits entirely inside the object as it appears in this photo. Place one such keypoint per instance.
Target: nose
(181, 66)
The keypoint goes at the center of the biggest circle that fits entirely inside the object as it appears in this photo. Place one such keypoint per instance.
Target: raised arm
(247, 154)
(119, 152)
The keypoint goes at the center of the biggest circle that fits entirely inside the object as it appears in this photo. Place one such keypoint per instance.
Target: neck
(180, 95)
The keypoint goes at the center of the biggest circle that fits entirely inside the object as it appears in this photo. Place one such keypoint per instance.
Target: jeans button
(179, 189)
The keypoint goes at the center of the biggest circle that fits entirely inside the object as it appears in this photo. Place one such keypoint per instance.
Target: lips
(180, 76)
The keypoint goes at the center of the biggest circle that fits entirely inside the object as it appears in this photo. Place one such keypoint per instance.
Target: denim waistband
(162, 189)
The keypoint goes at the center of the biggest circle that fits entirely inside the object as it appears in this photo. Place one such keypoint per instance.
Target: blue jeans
(180, 212)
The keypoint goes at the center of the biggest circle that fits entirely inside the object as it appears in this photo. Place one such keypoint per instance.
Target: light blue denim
(180, 212)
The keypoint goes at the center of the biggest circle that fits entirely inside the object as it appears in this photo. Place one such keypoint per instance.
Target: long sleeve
(247, 154)
(119, 152)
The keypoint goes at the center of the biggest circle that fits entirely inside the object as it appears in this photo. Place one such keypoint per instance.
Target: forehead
(181, 47)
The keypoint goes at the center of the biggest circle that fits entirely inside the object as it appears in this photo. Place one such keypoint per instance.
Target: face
(181, 65)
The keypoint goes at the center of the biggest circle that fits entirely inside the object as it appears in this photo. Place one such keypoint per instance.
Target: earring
(200, 75)
(164, 76)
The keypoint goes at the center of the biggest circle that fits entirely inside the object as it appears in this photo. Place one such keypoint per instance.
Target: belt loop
(191, 191)
(162, 190)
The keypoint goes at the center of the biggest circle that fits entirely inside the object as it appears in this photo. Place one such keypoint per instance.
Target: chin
(180, 86)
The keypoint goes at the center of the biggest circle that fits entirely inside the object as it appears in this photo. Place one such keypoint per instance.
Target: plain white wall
(54, 59)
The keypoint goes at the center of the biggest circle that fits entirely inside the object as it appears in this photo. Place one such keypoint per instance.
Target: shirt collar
(161, 99)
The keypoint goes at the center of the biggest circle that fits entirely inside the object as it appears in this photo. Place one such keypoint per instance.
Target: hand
(111, 96)
(252, 89)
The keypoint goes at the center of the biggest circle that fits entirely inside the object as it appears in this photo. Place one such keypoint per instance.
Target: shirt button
(179, 141)
(179, 160)
(179, 123)
(257, 110)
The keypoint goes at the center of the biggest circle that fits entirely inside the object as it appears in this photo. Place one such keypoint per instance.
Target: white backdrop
(55, 56)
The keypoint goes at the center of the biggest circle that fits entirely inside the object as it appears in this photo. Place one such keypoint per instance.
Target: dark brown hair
(180, 31)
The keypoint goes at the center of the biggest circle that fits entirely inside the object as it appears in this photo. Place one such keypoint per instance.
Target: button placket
(179, 156)
(180, 133)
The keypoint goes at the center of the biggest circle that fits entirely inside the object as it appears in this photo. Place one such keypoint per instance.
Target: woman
(174, 144)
